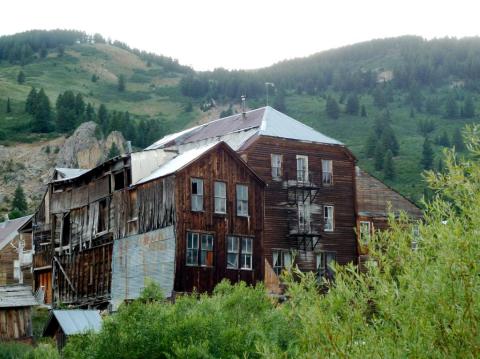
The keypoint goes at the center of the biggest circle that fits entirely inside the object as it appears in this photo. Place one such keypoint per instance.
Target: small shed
(64, 323)
(16, 302)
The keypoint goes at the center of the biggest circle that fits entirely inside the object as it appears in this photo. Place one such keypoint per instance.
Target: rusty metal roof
(264, 121)
(374, 197)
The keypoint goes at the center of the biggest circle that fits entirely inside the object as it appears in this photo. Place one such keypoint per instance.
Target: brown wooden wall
(8, 255)
(220, 165)
(279, 215)
(15, 323)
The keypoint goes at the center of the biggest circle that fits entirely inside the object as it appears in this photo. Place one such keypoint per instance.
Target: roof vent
(244, 111)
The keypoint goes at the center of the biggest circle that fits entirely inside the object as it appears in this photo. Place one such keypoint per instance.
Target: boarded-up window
(281, 259)
(220, 197)
(276, 166)
(206, 250)
(197, 194)
(328, 218)
(242, 200)
(327, 172)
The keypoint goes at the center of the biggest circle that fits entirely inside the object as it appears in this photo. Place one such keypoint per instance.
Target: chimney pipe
(244, 111)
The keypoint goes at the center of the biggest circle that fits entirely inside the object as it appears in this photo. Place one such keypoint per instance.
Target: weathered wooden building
(16, 251)
(16, 302)
(310, 214)
(184, 220)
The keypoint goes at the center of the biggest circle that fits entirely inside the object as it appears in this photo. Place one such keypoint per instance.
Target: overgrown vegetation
(419, 297)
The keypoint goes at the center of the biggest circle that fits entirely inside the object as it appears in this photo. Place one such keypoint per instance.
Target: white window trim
(327, 218)
(196, 263)
(243, 213)
(304, 212)
(363, 240)
(321, 258)
(199, 196)
(281, 256)
(239, 253)
(324, 173)
(304, 170)
(233, 251)
(218, 196)
(278, 173)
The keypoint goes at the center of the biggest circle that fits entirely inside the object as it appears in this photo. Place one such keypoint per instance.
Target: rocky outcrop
(86, 148)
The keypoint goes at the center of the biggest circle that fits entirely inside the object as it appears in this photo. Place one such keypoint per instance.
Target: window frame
(304, 226)
(281, 263)
(324, 260)
(198, 250)
(304, 170)
(240, 201)
(276, 170)
(197, 195)
(326, 218)
(240, 252)
(217, 196)
(327, 180)
(361, 232)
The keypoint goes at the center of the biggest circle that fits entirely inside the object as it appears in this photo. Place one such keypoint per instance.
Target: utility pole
(266, 88)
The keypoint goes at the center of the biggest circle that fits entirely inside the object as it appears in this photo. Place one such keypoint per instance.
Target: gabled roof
(264, 121)
(184, 159)
(374, 197)
(74, 321)
(16, 295)
(9, 229)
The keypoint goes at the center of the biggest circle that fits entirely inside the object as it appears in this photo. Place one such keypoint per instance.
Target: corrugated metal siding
(139, 258)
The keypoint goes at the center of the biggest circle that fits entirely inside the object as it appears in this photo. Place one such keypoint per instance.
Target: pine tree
(390, 141)
(66, 117)
(42, 115)
(370, 145)
(427, 155)
(332, 109)
(457, 141)
(21, 77)
(440, 165)
(279, 101)
(353, 105)
(443, 140)
(31, 101)
(89, 113)
(469, 108)
(363, 111)
(388, 166)
(9, 106)
(114, 151)
(102, 117)
(379, 156)
(451, 108)
(19, 206)
(121, 83)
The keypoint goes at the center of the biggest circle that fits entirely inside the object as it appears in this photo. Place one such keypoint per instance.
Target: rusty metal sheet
(140, 258)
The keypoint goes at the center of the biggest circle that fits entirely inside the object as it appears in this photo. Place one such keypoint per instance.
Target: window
(220, 197)
(304, 218)
(302, 168)
(281, 259)
(206, 250)
(119, 180)
(325, 262)
(102, 223)
(239, 257)
(327, 172)
(328, 218)
(364, 232)
(276, 166)
(199, 244)
(197, 194)
(242, 200)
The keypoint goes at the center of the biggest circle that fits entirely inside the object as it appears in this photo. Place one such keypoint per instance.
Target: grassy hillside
(415, 71)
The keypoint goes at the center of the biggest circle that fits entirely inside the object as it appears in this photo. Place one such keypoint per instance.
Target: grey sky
(244, 34)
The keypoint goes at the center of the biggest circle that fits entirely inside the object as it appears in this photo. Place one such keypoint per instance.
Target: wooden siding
(281, 213)
(217, 165)
(15, 323)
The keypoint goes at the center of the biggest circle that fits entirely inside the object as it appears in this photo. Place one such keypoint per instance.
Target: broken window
(276, 166)
(119, 180)
(206, 250)
(197, 194)
(66, 229)
(327, 172)
(365, 231)
(328, 218)
(325, 262)
(281, 259)
(239, 256)
(302, 168)
(102, 223)
(220, 197)
(242, 200)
